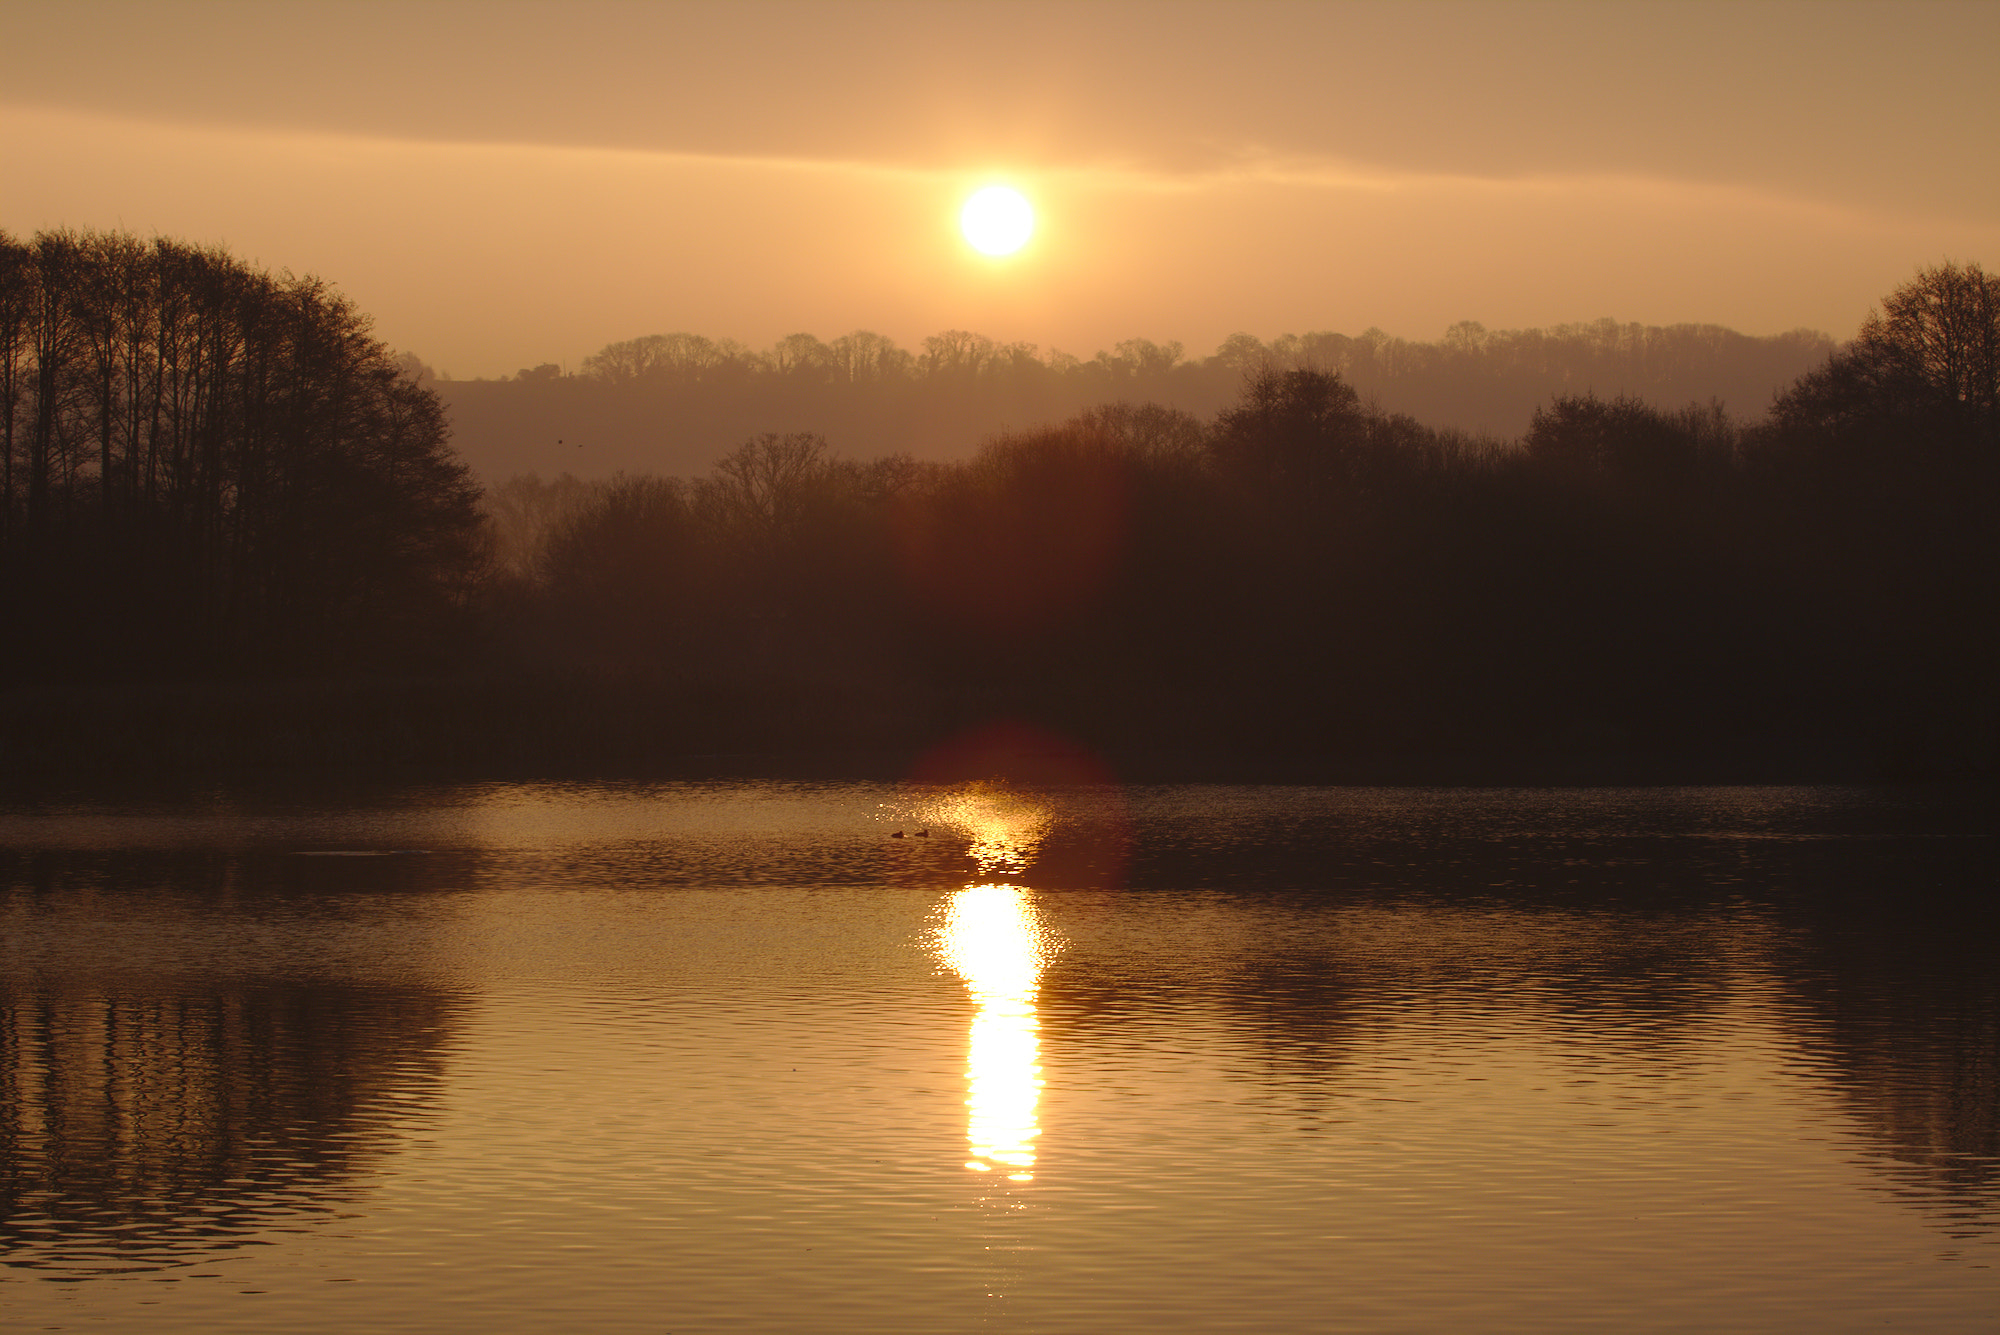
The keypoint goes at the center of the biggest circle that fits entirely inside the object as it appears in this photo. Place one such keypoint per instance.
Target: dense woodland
(672, 403)
(228, 514)
(204, 467)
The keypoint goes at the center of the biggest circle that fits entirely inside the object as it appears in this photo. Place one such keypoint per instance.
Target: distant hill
(673, 404)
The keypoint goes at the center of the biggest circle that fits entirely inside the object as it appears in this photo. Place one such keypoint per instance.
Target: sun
(997, 220)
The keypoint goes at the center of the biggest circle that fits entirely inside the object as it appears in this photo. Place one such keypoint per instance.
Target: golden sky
(506, 184)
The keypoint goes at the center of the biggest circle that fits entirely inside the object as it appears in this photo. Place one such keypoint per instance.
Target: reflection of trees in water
(1322, 975)
(1899, 1000)
(144, 1130)
(1927, 1092)
(1633, 948)
(1624, 987)
(1639, 937)
(189, 1055)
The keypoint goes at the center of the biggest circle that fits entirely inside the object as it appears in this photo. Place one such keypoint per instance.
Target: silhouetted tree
(220, 466)
(16, 294)
(761, 490)
(1882, 469)
(1926, 366)
(620, 574)
(523, 512)
(200, 454)
(1300, 435)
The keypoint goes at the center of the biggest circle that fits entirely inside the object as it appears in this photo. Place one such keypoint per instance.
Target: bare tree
(1939, 335)
(217, 448)
(16, 290)
(802, 355)
(762, 488)
(865, 357)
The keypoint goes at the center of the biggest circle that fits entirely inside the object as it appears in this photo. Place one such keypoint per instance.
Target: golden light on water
(1002, 827)
(994, 940)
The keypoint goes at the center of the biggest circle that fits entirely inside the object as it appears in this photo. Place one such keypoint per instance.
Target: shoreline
(498, 727)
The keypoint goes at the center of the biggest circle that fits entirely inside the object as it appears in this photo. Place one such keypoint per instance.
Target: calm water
(732, 1057)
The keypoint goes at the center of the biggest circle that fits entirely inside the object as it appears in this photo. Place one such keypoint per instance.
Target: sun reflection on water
(1002, 827)
(994, 940)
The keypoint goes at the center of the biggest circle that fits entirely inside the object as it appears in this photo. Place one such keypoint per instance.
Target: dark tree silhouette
(200, 454)
(1300, 435)
(1928, 361)
(211, 466)
(1882, 470)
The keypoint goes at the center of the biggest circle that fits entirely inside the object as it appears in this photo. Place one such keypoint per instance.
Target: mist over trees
(670, 403)
(211, 472)
(205, 466)
(1306, 573)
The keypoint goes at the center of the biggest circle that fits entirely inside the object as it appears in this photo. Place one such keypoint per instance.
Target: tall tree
(219, 465)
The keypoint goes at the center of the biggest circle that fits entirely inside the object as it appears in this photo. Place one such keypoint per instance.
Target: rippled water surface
(811, 1057)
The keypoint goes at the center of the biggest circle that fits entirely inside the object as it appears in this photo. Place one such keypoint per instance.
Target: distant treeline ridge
(223, 504)
(1305, 572)
(672, 403)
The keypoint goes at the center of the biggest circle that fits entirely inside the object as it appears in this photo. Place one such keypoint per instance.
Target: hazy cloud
(509, 184)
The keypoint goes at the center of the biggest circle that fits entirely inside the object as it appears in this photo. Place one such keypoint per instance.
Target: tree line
(1306, 572)
(214, 471)
(670, 403)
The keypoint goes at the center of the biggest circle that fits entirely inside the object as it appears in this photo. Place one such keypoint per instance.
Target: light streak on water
(993, 939)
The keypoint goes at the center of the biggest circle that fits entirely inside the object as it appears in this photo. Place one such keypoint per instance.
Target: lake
(783, 1056)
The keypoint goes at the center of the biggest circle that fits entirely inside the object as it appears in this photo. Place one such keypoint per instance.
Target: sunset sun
(997, 220)
(996, 663)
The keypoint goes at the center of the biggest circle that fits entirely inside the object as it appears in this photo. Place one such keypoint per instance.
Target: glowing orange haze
(505, 186)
